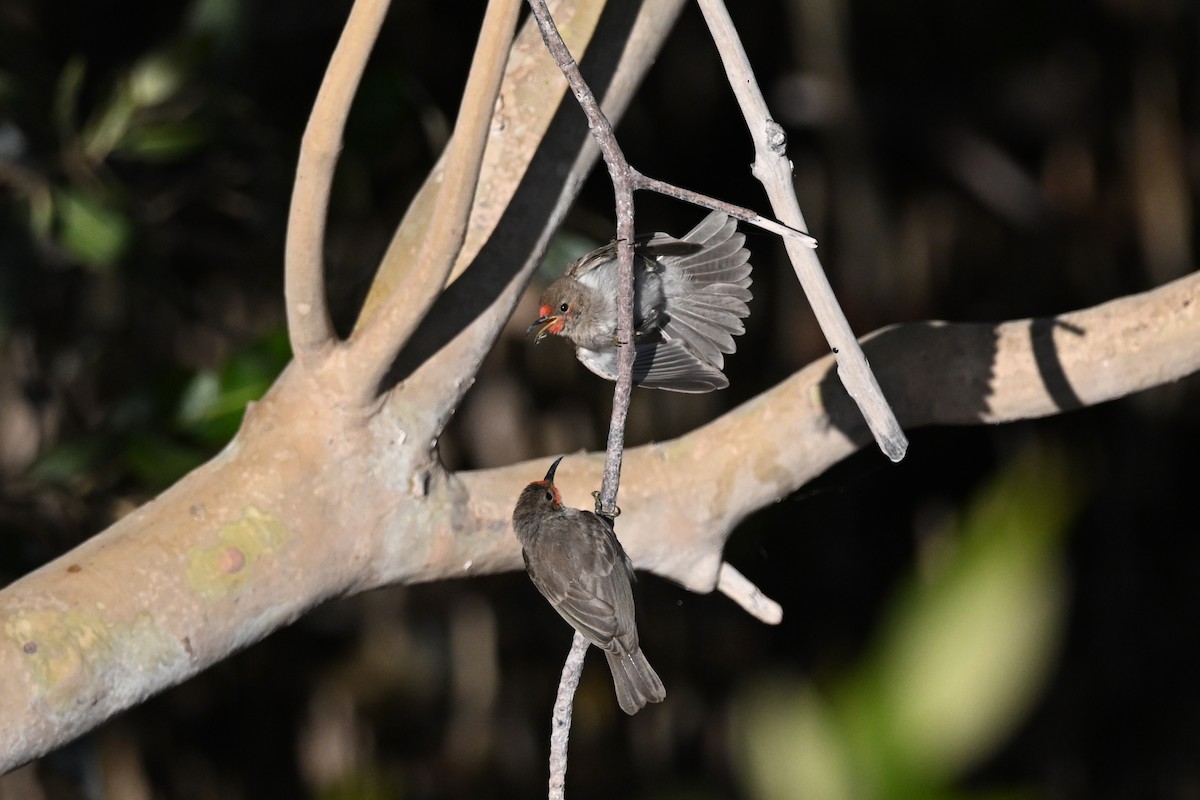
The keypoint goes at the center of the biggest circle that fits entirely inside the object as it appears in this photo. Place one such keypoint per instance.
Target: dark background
(959, 161)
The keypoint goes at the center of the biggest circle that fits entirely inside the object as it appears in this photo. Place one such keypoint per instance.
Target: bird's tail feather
(635, 680)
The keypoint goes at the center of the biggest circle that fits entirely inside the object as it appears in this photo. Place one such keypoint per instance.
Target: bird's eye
(564, 308)
(549, 497)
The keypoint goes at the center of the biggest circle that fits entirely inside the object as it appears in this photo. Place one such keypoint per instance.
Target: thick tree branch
(306, 504)
(309, 325)
(683, 497)
(234, 550)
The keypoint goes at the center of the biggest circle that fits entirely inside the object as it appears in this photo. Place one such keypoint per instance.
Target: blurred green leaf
(214, 401)
(961, 658)
(159, 76)
(108, 124)
(66, 97)
(789, 746)
(163, 141)
(564, 248)
(967, 652)
(158, 461)
(96, 234)
(71, 459)
(369, 783)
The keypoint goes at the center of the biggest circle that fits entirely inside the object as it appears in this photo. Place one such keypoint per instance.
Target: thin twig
(737, 212)
(738, 588)
(310, 328)
(773, 169)
(621, 175)
(560, 727)
(376, 344)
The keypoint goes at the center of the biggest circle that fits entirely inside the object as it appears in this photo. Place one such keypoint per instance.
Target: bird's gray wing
(658, 364)
(722, 257)
(672, 365)
(591, 587)
(708, 289)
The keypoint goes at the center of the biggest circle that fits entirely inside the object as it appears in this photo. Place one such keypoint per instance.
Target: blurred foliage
(957, 161)
(963, 653)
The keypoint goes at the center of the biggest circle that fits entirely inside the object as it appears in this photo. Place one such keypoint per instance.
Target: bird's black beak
(542, 324)
(550, 473)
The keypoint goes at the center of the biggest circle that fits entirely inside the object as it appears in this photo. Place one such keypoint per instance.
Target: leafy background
(1008, 613)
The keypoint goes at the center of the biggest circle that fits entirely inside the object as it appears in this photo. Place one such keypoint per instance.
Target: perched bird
(690, 296)
(574, 559)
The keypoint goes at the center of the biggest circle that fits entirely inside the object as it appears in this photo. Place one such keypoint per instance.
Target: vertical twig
(774, 170)
(560, 729)
(622, 176)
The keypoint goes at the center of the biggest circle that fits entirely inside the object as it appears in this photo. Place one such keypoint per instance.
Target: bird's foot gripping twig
(609, 514)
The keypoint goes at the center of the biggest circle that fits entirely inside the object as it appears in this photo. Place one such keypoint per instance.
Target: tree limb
(310, 328)
(304, 504)
(683, 497)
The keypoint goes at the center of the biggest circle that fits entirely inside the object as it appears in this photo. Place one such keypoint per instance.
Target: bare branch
(774, 170)
(621, 176)
(738, 588)
(309, 325)
(675, 524)
(560, 728)
(373, 347)
(737, 212)
(250, 541)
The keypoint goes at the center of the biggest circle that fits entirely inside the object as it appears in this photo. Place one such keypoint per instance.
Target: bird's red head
(548, 484)
(548, 321)
(552, 494)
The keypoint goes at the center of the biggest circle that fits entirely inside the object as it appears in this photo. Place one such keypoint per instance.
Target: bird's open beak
(543, 324)
(550, 473)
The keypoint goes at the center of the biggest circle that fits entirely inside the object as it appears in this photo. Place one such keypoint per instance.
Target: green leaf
(564, 247)
(66, 96)
(967, 652)
(96, 234)
(163, 142)
(960, 659)
(213, 402)
(70, 459)
(159, 76)
(789, 746)
(158, 462)
(108, 124)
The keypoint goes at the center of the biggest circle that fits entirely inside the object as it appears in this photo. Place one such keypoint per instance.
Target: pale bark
(321, 495)
(329, 486)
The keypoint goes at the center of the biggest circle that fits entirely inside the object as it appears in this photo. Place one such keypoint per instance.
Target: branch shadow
(522, 231)
(909, 359)
(1045, 355)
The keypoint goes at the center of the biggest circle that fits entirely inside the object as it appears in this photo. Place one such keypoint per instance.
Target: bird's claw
(608, 513)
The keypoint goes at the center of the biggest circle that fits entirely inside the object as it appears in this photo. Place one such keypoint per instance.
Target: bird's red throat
(556, 324)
